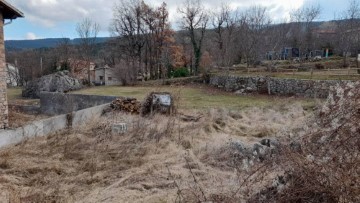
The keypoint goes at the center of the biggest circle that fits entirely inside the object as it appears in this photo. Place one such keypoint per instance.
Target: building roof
(9, 11)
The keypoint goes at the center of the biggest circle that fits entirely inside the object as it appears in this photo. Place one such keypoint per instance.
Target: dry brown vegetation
(18, 118)
(159, 160)
(325, 164)
(281, 153)
(318, 163)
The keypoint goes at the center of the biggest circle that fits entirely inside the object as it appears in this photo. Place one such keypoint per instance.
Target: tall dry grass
(316, 162)
(325, 165)
(160, 158)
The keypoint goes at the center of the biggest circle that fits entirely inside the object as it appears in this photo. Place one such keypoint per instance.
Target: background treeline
(145, 44)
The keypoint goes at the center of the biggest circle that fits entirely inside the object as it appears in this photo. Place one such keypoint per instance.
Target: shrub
(181, 72)
(319, 66)
(303, 69)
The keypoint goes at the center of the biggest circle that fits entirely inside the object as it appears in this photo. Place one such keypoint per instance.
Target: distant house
(289, 52)
(7, 12)
(106, 75)
(79, 69)
(12, 79)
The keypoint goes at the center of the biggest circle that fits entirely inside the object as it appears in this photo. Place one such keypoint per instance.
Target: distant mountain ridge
(43, 43)
(18, 45)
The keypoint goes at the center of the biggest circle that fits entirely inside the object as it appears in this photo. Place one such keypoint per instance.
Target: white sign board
(163, 99)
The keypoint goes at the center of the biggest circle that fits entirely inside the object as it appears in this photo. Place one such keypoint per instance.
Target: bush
(303, 69)
(319, 66)
(180, 72)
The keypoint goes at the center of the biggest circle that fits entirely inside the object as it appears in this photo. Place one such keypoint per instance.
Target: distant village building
(106, 76)
(7, 12)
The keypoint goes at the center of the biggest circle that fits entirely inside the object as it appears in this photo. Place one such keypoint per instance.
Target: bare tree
(144, 33)
(224, 23)
(302, 20)
(252, 28)
(64, 51)
(87, 31)
(195, 21)
(128, 26)
(348, 28)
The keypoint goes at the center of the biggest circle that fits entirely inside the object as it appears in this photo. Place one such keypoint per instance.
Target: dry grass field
(150, 163)
(221, 157)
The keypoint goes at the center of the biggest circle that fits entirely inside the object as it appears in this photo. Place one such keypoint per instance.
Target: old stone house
(106, 75)
(7, 12)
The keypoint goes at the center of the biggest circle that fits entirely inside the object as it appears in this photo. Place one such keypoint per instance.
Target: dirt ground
(157, 158)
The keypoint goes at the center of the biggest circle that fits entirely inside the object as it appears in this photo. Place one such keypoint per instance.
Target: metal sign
(162, 99)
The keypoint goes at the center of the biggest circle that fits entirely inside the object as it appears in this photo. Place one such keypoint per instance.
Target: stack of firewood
(131, 105)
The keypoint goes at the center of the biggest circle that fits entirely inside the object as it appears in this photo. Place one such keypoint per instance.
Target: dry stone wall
(275, 86)
(4, 123)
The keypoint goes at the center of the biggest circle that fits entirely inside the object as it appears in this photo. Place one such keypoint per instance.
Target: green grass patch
(201, 97)
(14, 93)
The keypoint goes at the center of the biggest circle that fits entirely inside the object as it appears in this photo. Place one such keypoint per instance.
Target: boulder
(56, 82)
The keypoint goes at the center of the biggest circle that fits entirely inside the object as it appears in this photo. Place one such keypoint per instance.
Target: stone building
(7, 12)
(107, 76)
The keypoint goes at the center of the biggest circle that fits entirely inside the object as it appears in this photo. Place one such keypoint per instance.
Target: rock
(259, 152)
(240, 92)
(295, 146)
(238, 146)
(119, 128)
(57, 82)
(269, 142)
(250, 89)
(266, 142)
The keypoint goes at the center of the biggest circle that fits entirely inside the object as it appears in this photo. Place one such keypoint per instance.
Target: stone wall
(4, 123)
(52, 103)
(276, 86)
(51, 125)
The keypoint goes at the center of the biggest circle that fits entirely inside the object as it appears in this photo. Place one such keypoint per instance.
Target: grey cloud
(49, 13)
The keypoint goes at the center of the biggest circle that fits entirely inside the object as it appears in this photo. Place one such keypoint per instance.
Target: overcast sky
(58, 18)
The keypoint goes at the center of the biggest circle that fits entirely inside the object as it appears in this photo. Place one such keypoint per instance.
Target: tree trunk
(197, 61)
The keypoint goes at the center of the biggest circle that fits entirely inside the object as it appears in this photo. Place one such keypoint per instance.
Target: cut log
(130, 105)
